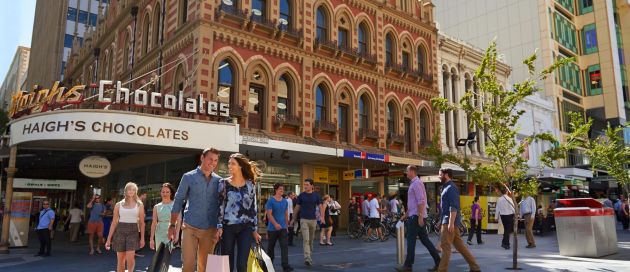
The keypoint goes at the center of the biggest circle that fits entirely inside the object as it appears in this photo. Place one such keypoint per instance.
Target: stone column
(11, 170)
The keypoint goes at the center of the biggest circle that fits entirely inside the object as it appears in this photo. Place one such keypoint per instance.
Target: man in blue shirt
(199, 188)
(307, 202)
(44, 227)
(278, 220)
(450, 217)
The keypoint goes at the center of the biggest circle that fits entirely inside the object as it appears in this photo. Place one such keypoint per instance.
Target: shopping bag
(259, 261)
(162, 258)
(218, 263)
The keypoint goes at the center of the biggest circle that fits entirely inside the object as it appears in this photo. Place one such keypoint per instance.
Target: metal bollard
(400, 243)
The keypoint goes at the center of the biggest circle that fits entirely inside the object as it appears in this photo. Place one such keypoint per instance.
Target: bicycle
(358, 229)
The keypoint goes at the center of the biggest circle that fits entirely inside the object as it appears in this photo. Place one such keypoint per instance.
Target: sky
(16, 27)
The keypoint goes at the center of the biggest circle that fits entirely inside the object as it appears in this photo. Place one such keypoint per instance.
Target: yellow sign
(320, 174)
(333, 176)
(41, 100)
(466, 208)
(348, 175)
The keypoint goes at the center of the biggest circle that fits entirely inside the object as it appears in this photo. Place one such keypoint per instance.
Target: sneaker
(433, 269)
(469, 242)
(308, 263)
(480, 243)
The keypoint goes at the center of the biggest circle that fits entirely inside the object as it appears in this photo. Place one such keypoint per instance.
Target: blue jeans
(239, 236)
(414, 230)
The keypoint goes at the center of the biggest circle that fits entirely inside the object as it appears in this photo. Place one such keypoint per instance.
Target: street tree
(607, 151)
(492, 109)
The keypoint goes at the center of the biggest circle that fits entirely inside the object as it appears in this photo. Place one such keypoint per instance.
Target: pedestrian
(416, 220)
(617, 208)
(625, 214)
(75, 217)
(44, 228)
(143, 199)
(290, 197)
(95, 223)
(108, 217)
(384, 203)
(335, 210)
(128, 219)
(353, 210)
(475, 222)
(326, 225)
(505, 211)
(374, 218)
(393, 206)
(450, 218)
(238, 212)
(277, 209)
(365, 209)
(199, 188)
(306, 205)
(162, 217)
(528, 213)
(607, 203)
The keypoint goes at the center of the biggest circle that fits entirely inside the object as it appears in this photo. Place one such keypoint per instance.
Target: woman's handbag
(259, 261)
(162, 258)
(218, 262)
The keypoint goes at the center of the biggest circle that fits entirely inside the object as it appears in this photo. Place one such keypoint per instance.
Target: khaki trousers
(454, 238)
(529, 230)
(197, 243)
(74, 231)
(308, 234)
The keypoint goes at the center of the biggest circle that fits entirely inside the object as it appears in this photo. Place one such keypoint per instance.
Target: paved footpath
(345, 255)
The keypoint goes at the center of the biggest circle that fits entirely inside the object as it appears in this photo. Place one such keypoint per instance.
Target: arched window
(286, 10)
(406, 55)
(183, 11)
(364, 37)
(392, 116)
(285, 93)
(146, 30)
(226, 86)
(424, 126)
(364, 112)
(259, 9)
(421, 59)
(157, 19)
(322, 24)
(320, 103)
(180, 79)
(127, 52)
(390, 50)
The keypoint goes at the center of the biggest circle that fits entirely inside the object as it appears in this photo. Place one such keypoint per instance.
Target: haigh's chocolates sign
(23, 103)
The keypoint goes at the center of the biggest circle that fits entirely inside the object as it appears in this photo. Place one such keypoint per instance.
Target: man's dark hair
(309, 180)
(447, 171)
(412, 168)
(503, 189)
(276, 186)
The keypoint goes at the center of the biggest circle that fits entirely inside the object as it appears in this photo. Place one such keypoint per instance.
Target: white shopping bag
(268, 262)
(218, 263)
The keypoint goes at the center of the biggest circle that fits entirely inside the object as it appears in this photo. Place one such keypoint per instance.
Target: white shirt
(334, 205)
(373, 206)
(75, 215)
(528, 205)
(290, 205)
(505, 206)
(365, 207)
(394, 205)
(128, 215)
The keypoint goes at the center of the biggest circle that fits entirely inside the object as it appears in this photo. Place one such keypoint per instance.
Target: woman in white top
(128, 219)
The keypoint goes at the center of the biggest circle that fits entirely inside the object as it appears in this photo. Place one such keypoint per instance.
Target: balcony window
(342, 38)
(285, 13)
(363, 37)
(389, 50)
(320, 103)
(322, 24)
(364, 108)
(226, 82)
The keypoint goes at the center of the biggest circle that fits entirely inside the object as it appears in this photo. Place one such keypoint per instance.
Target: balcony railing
(287, 120)
(366, 56)
(422, 76)
(259, 19)
(325, 126)
(397, 68)
(289, 30)
(395, 138)
(326, 43)
(370, 134)
(230, 10)
(237, 111)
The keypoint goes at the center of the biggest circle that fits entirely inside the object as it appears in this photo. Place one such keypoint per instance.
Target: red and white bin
(585, 228)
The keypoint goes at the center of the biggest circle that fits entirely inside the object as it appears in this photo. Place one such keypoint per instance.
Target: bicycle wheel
(385, 231)
(354, 229)
(463, 228)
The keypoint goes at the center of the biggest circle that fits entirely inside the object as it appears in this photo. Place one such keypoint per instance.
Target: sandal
(330, 244)
(321, 244)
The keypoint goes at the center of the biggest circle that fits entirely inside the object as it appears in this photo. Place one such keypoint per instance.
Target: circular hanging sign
(95, 166)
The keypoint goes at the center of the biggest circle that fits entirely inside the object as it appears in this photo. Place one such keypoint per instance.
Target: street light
(467, 142)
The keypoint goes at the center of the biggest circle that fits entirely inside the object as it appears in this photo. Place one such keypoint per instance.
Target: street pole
(4, 240)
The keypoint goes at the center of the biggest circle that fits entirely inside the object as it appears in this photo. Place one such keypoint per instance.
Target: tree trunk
(515, 248)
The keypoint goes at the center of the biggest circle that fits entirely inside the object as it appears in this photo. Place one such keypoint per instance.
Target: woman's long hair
(248, 168)
(135, 196)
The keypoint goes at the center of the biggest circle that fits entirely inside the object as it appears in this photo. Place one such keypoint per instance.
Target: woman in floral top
(238, 218)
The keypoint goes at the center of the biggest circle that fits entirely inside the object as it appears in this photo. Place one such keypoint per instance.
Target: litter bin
(585, 228)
